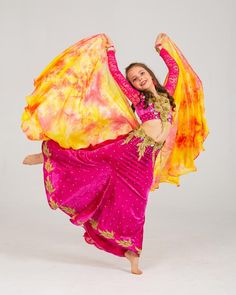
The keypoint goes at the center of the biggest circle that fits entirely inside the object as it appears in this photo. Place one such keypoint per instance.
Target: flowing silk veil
(76, 102)
(189, 128)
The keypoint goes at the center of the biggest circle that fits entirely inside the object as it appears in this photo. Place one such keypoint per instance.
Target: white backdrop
(189, 237)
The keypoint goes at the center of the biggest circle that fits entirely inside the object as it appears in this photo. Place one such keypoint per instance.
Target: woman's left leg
(134, 262)
(33, 159)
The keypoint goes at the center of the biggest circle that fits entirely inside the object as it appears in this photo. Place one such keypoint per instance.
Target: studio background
(189, 234)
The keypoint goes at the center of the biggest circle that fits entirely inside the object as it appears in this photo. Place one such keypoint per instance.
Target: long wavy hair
(148, 94)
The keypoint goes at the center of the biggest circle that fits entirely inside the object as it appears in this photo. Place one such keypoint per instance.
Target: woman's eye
(134, 79)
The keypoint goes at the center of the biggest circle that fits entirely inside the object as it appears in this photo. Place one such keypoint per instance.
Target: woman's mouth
(144, 82)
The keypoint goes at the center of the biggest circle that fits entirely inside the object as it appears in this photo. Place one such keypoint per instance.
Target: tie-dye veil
(76, 102)
(189, 128)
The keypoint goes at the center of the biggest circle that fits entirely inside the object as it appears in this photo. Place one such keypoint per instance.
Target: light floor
(184, 252)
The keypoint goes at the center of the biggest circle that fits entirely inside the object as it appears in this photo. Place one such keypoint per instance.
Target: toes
(136, 271)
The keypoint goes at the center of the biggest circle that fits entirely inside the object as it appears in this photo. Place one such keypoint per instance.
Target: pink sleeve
(125, 86)
(173, 71)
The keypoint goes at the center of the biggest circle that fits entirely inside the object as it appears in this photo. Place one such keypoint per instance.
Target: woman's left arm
(173, 72)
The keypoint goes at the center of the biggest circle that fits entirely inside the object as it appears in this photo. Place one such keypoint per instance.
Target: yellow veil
(76, 101)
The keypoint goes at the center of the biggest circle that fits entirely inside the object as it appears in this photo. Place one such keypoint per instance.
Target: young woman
(105, 187)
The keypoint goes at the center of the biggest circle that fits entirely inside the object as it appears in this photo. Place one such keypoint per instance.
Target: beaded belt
(147, 141)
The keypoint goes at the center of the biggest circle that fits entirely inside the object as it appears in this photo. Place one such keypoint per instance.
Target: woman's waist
(140, 132)
(152, 129)
(140, 138)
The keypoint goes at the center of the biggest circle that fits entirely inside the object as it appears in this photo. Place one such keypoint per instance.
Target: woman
(104, 187)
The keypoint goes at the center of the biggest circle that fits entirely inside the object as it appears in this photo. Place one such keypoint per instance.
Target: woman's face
(140, 78)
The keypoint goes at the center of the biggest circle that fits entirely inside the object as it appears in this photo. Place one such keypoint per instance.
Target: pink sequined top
(136, 97)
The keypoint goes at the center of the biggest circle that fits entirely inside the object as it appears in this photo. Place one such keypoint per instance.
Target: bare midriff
(152, 128)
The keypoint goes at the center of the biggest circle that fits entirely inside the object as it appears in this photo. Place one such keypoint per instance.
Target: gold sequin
(125, 243)
(93, 223)
(147, 141)
(107, 234)
(74, 217)
(46, 150)
(161, 105)
(49, 186)
(111, 235)
(53, 204)
(68, 210)
(80, 222)
(48, 165)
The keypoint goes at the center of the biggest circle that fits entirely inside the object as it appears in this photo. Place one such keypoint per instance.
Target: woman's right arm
(129, 91)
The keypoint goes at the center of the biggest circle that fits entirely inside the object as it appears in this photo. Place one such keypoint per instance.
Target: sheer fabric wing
(76, 101)
(189, 128)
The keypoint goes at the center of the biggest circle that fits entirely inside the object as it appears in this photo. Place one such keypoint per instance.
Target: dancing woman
(103, 184)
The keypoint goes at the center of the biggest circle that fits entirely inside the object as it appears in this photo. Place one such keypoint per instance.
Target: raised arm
(129, 91)
(173, 71)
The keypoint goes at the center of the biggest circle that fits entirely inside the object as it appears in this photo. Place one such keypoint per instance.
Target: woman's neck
(154, 91)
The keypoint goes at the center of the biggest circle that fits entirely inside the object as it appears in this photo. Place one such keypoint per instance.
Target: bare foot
(133, 258)
(33, 159)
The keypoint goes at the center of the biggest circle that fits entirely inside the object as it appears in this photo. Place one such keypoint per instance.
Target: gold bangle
(157, 49)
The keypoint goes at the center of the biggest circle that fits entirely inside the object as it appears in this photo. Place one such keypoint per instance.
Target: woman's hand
(110, 45)
(164, 133)
(158, 42)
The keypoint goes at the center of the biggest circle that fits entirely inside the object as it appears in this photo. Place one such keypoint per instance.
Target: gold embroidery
(93, 223)
(139, 250)
(74, 217)
(111, 235)
(68, 209)
(147, 141)
(107, 234)
(125, 243)
(78, 221)
(128, 138)
(162, 105)
(48, 165)
(46, 150)
(49, 186)
(53, 204)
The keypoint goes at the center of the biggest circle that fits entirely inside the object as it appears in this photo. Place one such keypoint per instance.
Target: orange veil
(189, 128)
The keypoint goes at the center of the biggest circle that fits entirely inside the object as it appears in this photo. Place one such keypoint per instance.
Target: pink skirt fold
(103, 188)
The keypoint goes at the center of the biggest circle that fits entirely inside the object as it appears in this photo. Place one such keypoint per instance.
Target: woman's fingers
(109, 41)
(159, 38)
(159, 41)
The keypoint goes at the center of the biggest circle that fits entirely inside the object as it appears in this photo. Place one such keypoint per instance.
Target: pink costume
(104, 186)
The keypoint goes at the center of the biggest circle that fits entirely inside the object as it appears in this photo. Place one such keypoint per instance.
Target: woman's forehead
(135, 70)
